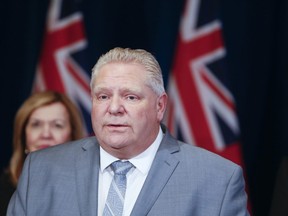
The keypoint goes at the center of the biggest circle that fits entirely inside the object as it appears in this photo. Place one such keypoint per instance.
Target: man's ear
(161, 105)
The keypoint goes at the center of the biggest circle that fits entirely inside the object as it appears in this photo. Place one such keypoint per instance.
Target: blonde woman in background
(45, 119)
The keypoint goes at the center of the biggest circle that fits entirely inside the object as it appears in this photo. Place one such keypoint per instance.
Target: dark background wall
(255, 34)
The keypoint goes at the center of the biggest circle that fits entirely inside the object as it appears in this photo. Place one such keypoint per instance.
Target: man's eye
(131, 97)
(103, 97)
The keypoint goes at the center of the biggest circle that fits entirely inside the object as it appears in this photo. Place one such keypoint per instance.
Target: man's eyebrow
(100, 88)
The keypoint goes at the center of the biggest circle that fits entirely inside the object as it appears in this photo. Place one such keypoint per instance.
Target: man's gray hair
(139, 56)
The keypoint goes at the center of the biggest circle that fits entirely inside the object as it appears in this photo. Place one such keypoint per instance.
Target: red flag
(61, 63)
(201, 109)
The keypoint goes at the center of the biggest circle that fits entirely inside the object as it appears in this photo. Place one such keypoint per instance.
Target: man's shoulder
(190, 154)
(65, 150)
(203, 156)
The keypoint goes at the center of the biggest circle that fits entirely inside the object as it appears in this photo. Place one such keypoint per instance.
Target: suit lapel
(87, 172)
(161, 170)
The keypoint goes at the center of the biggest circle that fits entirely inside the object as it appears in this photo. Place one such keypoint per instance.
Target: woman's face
(48, 126)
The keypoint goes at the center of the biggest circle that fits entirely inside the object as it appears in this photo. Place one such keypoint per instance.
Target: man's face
(125, 112)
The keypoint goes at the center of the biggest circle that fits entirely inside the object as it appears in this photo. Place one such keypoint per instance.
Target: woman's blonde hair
(23, 114)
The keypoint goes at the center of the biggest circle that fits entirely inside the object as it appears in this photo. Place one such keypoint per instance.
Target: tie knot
(120, 167)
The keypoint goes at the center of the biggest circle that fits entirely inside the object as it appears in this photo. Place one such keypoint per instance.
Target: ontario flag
(201, 109)
(62, 61)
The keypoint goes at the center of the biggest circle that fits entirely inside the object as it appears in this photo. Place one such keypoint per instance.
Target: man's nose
(116, 106)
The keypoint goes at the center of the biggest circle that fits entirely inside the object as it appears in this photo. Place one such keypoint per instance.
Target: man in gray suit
(165, 176)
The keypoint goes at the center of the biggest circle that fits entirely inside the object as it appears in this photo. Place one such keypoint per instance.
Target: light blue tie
(115, 199)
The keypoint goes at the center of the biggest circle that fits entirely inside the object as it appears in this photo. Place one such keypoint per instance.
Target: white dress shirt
(135, 177)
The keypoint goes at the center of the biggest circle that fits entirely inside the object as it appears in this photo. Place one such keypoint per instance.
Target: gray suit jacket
(183, 180)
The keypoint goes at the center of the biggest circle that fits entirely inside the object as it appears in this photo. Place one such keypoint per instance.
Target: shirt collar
(142, 161)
